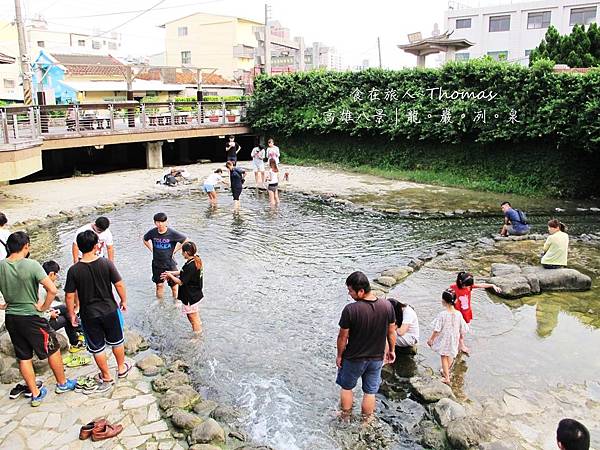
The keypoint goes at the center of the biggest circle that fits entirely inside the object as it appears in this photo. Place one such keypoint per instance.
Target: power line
(132, 19)
(137, 10)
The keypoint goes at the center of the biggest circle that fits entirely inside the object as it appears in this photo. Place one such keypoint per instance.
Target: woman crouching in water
(190, 281)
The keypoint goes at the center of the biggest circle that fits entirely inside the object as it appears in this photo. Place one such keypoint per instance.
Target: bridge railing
(19, 123)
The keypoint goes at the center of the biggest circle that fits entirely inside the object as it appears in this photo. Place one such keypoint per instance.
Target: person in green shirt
(29, 331)
(556, 247)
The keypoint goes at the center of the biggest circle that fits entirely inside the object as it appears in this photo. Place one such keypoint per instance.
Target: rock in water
(468, 432)
(446, 410)
(183, 397)
(386, 281)
(208, 432)
(499, 269)
(433, 436)
(559, 279)
(170, 380)
(430, 389)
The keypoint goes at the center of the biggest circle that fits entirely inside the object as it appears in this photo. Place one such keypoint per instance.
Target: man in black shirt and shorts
(163, 242)
(365, 327)
(92, 278)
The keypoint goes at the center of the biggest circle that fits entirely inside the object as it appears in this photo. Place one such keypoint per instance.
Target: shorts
(30, 334)
(273, 187)
(512, 232)
(102, 331)
(368, 370)
(208, 188)
(405, 341)
(190, 309)
(236, 193)
(258, 166)
(158, 270)
(233, 159)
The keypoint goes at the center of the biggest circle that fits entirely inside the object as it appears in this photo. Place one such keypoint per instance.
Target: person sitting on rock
(572, 435)
(556, 247)
(515, 222)
(407, 323)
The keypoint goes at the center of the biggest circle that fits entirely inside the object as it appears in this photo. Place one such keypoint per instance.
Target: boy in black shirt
(92, 278)
(163, 242)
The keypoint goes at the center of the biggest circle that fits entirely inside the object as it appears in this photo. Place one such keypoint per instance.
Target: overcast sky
(351, 27)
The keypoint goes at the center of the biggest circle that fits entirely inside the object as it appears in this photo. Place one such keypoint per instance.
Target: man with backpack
(515, 221)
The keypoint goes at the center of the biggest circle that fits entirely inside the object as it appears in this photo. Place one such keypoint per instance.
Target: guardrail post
(32, 122)
(199, 112)
(15, 126)
(76, 109)
(172, 111)
(143, 115)
(111, 109)
(224, 111)
(38, 118)
(4, 119)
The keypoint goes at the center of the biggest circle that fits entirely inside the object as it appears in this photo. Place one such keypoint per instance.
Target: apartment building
(509, 32)
(212, 41)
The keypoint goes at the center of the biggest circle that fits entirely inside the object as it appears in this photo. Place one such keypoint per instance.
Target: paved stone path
(55, 423)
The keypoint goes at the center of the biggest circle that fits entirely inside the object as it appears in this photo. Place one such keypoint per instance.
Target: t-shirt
(93, 282)
(368, 322)
(163, 245)
(190, 291)
(463, 301)
(105, 239)
(409, 317)
(19, 281)
(4, 234)
(273, 153)
(232, 150)
(257, 155)
(236, 177)
(213, 179)
(556, 249)
(515, 220)
(273, 177)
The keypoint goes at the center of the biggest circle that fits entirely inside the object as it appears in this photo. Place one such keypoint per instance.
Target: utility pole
(23, 56)
(379, 49)
(267, 41)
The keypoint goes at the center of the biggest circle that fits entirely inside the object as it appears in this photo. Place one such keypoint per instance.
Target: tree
(578, 49)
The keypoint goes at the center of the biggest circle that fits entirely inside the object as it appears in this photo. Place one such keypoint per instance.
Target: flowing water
(274, 290)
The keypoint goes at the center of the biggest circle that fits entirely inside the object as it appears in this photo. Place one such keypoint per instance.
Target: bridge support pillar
(154, 158)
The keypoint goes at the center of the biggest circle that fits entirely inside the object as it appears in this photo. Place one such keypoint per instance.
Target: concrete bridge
(25, 132)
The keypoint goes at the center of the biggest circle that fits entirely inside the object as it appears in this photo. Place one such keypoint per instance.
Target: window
(528, 52)
(582, 16)
(40, 44)
(538, 20)
(499, 23)
(463, 56)
(112, 46)
(186, 57)
(96, 45)
(81, 42)
(501, 55)
(182, 31)
(9, 84)
(463, 23)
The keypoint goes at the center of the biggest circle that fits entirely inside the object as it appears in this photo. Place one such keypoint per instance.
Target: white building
(511, 31)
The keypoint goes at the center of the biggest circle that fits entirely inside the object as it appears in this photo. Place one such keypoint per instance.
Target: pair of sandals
(74, 360)
(98, 430)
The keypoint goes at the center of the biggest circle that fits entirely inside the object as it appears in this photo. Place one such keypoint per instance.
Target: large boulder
(398, 273)
(208, 432)
(205, 408)
(446, 410)
(134, 342)
(386, 281)
(430, 389)
(170, 380)
(151, 360)
(468, 432)
(517, 282)
(183, 397)
(6, 346)
(225, 414)
(432, 435)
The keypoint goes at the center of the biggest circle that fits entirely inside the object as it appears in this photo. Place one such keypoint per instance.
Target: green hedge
(521, 169)
(558, 110)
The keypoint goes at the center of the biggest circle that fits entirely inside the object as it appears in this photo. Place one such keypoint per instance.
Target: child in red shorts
(463, 287)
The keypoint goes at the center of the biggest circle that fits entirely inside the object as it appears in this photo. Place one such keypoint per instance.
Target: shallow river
(274, 289)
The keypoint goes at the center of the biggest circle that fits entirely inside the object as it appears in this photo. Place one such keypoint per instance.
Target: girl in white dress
(448, 328)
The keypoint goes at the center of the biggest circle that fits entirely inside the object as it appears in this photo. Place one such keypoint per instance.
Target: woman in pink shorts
(190, 281)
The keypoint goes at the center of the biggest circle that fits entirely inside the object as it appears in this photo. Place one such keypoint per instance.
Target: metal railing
(21, 123)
